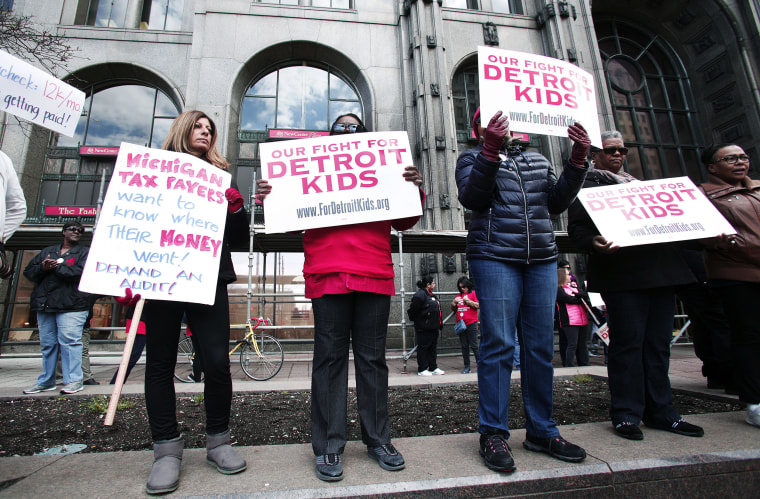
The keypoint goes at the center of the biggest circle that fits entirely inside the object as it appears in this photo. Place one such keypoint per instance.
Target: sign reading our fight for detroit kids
(337, 180)
(160, 229)
(655, 211)
(34, 95)
(538, 94)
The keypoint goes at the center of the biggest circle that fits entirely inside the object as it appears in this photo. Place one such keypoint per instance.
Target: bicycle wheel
(184, 366)
(265, 366)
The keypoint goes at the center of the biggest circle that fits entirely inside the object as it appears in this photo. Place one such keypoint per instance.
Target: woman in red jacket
(349, 279)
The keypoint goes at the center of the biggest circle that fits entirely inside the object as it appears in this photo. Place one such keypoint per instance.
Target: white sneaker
(439, 371)
(753, 414)
(424, 373)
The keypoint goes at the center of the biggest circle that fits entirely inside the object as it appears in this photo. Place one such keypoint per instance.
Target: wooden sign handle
(122, 373)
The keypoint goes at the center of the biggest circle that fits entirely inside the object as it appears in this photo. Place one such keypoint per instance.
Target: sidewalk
(440, 466)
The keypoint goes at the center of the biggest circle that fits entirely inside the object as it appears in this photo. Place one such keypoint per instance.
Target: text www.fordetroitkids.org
(341, 207)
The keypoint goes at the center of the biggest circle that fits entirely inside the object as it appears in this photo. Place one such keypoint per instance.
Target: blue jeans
(61, 331)
(505, 291)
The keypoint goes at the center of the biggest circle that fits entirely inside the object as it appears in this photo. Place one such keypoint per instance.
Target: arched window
(293, 96)
(652, 101)
(466, 97)
(135, 113)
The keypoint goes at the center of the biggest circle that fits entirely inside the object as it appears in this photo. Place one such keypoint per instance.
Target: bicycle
(261, 355)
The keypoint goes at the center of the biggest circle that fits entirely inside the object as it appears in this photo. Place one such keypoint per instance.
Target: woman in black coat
(425, 311)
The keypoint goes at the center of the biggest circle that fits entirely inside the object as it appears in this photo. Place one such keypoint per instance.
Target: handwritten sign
(655, 211)
(160, 229)
(538, 94)
(36, 96)
(337, 180)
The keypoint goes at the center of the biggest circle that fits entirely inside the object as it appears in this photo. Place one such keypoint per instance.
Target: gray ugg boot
(220, 453)
(167, 458)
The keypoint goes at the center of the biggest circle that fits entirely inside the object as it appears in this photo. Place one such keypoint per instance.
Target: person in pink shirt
(572, 319)
(466, 306)
(349, 278)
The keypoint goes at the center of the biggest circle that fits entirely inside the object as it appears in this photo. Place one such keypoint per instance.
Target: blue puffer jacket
(511, 204)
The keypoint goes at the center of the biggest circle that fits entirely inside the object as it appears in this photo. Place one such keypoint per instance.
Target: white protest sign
(538, 94)
(655, 211)
(32, 94)
(338, 180)
(160, 229)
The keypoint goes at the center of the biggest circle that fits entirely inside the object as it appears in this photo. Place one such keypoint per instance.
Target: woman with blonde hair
(193, 132)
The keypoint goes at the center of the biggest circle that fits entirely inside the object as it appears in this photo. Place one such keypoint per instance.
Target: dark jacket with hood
(512, 201)
(56, 291)
(425, 311)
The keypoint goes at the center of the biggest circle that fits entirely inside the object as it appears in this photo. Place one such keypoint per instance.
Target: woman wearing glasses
(733, 263)
(637, 284)
(349, 278)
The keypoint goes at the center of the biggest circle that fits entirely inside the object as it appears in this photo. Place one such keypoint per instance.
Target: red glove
(494, 135)
(581, 144)
(128, 300)
(234, 200)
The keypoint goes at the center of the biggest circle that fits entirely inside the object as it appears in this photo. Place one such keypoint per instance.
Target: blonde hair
(178, 138)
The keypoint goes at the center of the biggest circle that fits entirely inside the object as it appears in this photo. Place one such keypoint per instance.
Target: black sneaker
(90, 382)
(387, 457)
(629, 431)
(329, 468)
(496, 453)
(556, 447)
(681, 427)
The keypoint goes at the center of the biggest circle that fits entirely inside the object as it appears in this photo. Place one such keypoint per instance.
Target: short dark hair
(709, 152)
(72, 223)
(465, 282)
(423, 283)
(562, 263)
(351, 115)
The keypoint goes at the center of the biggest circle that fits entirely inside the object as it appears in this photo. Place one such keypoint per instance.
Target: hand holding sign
(494, 135)
(581, 144)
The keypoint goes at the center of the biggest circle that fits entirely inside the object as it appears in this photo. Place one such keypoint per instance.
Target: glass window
(163, 14)
(107, 13)
(6, 5)
(461, 4)
(300, 97)
(647, 84)
(507, 6)
(466, 96)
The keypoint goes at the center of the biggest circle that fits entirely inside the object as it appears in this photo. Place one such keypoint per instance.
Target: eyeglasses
(75, 229)
(342, 127)
(732, 159)
(611, 150)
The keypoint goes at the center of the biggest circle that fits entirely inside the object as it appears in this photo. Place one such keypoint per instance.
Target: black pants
(575, 346)
(362, 319)
(211, 331)
(710, 332)
(469, 341)
(641, 327)
(137, 350)
(427, 349)
(739, 302)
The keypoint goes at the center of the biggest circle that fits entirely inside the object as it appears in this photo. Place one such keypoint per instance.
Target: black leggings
(211, 331)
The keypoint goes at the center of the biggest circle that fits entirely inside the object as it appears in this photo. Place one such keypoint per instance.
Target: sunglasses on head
(342, 127)
(611, 150)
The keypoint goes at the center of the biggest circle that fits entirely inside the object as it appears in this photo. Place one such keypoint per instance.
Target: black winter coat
(511, 203)
(631, 268)
(57, 291)
(425, 311)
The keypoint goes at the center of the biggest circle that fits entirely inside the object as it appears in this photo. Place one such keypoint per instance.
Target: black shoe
(329, 468)
(387, 457)
(713, 384)
(496, 453)
(556, 447)
(629, 431)
(681, 427)
(90, 382)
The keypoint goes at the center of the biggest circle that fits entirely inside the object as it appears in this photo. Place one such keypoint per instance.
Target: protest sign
(160, 229)
(538, 94)
(655, 211)
(36, 96)
(338, 180)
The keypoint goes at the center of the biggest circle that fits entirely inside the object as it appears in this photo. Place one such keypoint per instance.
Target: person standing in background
(12, 209)
(425, 311)
(572, 319)
(61, 308)
(466, 306)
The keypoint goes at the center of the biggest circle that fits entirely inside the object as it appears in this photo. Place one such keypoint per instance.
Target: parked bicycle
(261, 355)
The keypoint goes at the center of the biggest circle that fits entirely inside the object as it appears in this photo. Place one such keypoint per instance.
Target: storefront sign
(160, 229)
(275, 133)
(655, 211)
(71, 211)
(538, 94)
(98, 151)
(36, 96)
(337, 180)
